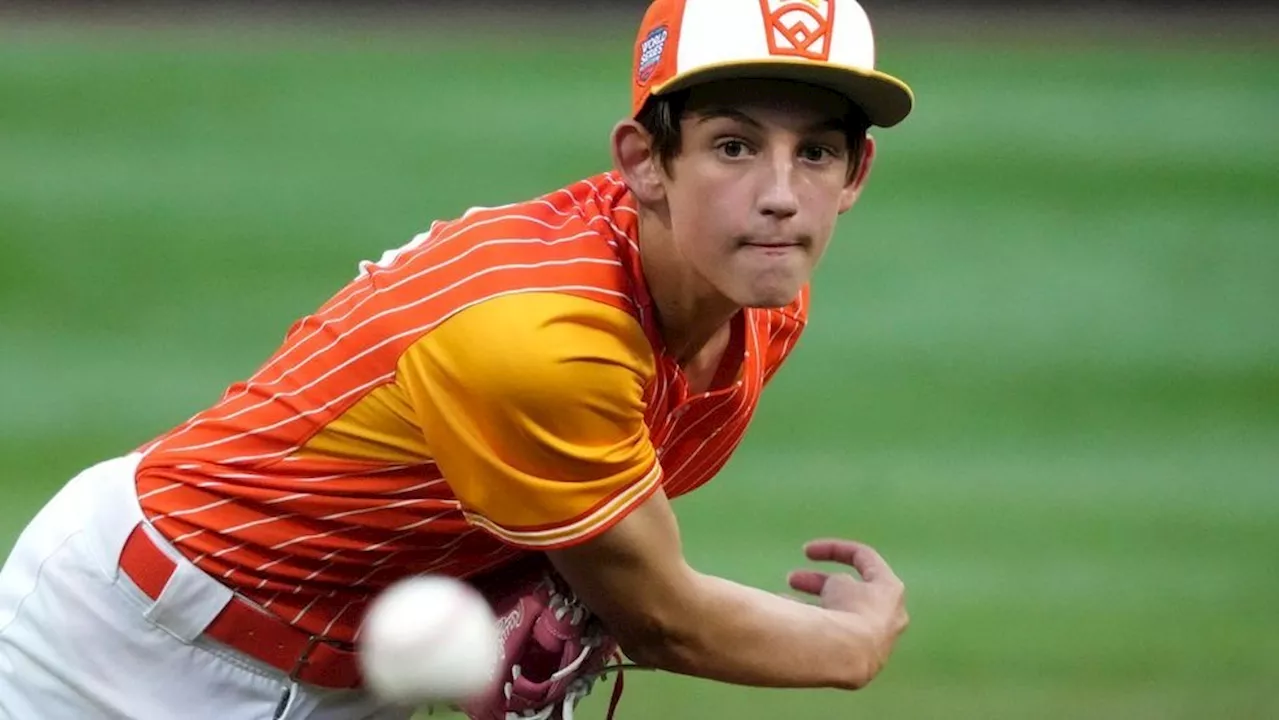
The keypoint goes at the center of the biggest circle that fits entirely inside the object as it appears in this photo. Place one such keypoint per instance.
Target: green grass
(1041, 374)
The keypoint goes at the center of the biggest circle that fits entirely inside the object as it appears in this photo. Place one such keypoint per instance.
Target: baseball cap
(821, 42)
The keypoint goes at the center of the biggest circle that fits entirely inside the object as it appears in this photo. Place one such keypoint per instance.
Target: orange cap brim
(884, 99)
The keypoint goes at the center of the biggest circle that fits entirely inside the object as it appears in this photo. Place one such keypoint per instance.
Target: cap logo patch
(651, 53)
(799, 28)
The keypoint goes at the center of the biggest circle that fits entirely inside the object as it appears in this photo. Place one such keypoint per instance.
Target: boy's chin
(773, 296)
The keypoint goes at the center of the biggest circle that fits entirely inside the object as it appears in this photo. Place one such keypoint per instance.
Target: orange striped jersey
(497, 385)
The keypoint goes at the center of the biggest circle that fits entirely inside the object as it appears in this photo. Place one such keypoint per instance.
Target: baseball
(428, 639)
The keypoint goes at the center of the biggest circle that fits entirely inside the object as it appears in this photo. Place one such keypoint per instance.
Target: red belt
(241, 626)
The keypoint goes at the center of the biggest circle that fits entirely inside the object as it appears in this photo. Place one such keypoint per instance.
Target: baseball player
(532, 380)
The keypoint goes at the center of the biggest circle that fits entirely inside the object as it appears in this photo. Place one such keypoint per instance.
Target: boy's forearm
(732, 633)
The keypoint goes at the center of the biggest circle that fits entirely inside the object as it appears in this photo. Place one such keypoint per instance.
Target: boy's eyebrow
(830, 124)
(713, 113)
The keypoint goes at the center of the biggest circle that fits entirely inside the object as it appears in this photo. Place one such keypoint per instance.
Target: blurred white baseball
(428, 639)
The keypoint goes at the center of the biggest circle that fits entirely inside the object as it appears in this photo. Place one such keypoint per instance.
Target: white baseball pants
(79, 641)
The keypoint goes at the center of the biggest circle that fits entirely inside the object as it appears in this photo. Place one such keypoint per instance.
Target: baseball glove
(553, 649)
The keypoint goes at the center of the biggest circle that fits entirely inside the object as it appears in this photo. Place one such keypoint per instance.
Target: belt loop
(189, 603)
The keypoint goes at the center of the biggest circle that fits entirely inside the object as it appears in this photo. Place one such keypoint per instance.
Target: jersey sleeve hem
(581, 529)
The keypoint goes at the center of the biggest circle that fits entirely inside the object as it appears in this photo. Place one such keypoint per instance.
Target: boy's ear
(635, 160)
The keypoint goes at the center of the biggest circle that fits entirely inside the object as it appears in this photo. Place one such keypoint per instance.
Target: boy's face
(763, 171)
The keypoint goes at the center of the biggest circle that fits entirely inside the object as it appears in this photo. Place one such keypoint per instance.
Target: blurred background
(1041, 373)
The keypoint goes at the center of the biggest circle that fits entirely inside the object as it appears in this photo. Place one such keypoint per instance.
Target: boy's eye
(817, 153)
(733, 148)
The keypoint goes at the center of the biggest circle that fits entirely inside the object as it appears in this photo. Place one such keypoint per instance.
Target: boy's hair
(661, 115)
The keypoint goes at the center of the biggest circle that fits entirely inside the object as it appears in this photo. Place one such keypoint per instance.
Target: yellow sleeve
(532, 406)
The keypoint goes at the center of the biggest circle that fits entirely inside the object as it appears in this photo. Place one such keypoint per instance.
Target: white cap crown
(716, 32)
